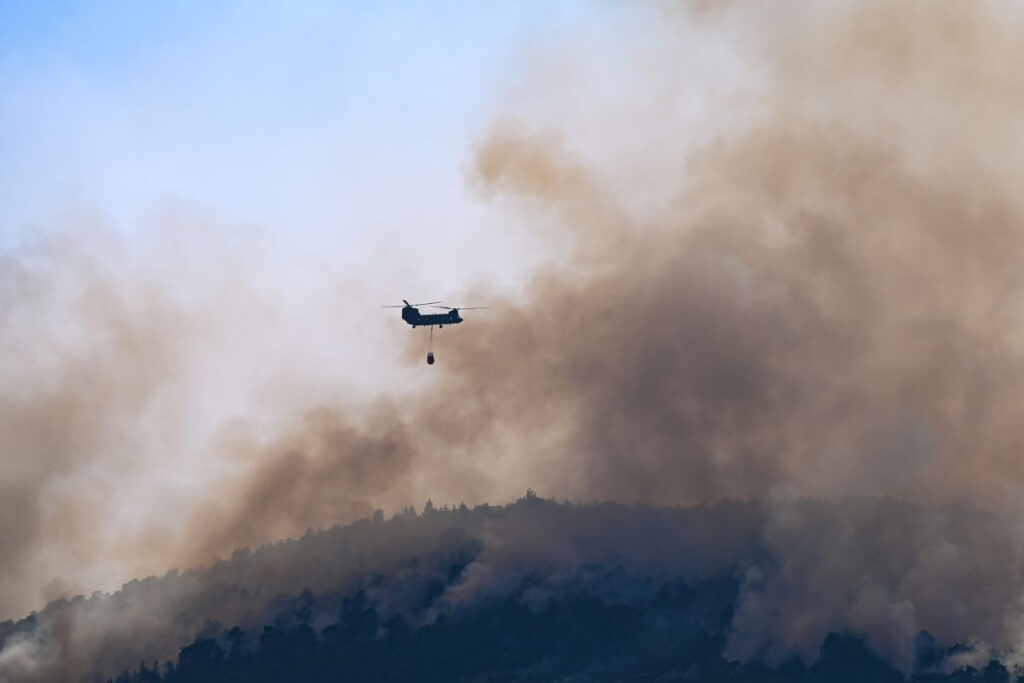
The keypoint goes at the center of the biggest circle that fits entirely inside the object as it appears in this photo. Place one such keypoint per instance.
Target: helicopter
(411, 314)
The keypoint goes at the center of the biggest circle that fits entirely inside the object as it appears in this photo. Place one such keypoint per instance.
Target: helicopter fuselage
(413, 316)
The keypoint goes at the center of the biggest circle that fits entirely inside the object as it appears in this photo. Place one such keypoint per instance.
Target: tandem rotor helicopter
(411, 314)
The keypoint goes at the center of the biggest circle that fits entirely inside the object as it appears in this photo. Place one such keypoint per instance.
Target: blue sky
(329, 122)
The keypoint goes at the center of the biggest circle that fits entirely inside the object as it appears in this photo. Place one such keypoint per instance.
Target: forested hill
(578, 638)
(538, 590)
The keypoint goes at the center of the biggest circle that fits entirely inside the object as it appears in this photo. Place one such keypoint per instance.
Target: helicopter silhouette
(411, 314)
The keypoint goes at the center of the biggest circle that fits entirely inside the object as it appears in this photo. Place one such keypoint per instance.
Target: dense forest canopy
(540, 590)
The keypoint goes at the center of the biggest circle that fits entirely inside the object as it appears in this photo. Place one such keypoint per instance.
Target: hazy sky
(337, 129)
(318, 146)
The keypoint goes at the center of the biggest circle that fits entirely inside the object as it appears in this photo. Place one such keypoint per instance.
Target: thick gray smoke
(121, 455)
(829, 304)
(825, 302)
(76, 394)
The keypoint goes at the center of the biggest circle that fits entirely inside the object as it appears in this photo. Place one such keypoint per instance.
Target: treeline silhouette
(677, 633)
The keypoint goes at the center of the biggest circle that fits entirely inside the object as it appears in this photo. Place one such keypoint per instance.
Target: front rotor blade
(427, 303)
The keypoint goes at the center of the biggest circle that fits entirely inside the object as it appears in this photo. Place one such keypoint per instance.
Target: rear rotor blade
(427, 303)
(463, 308)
